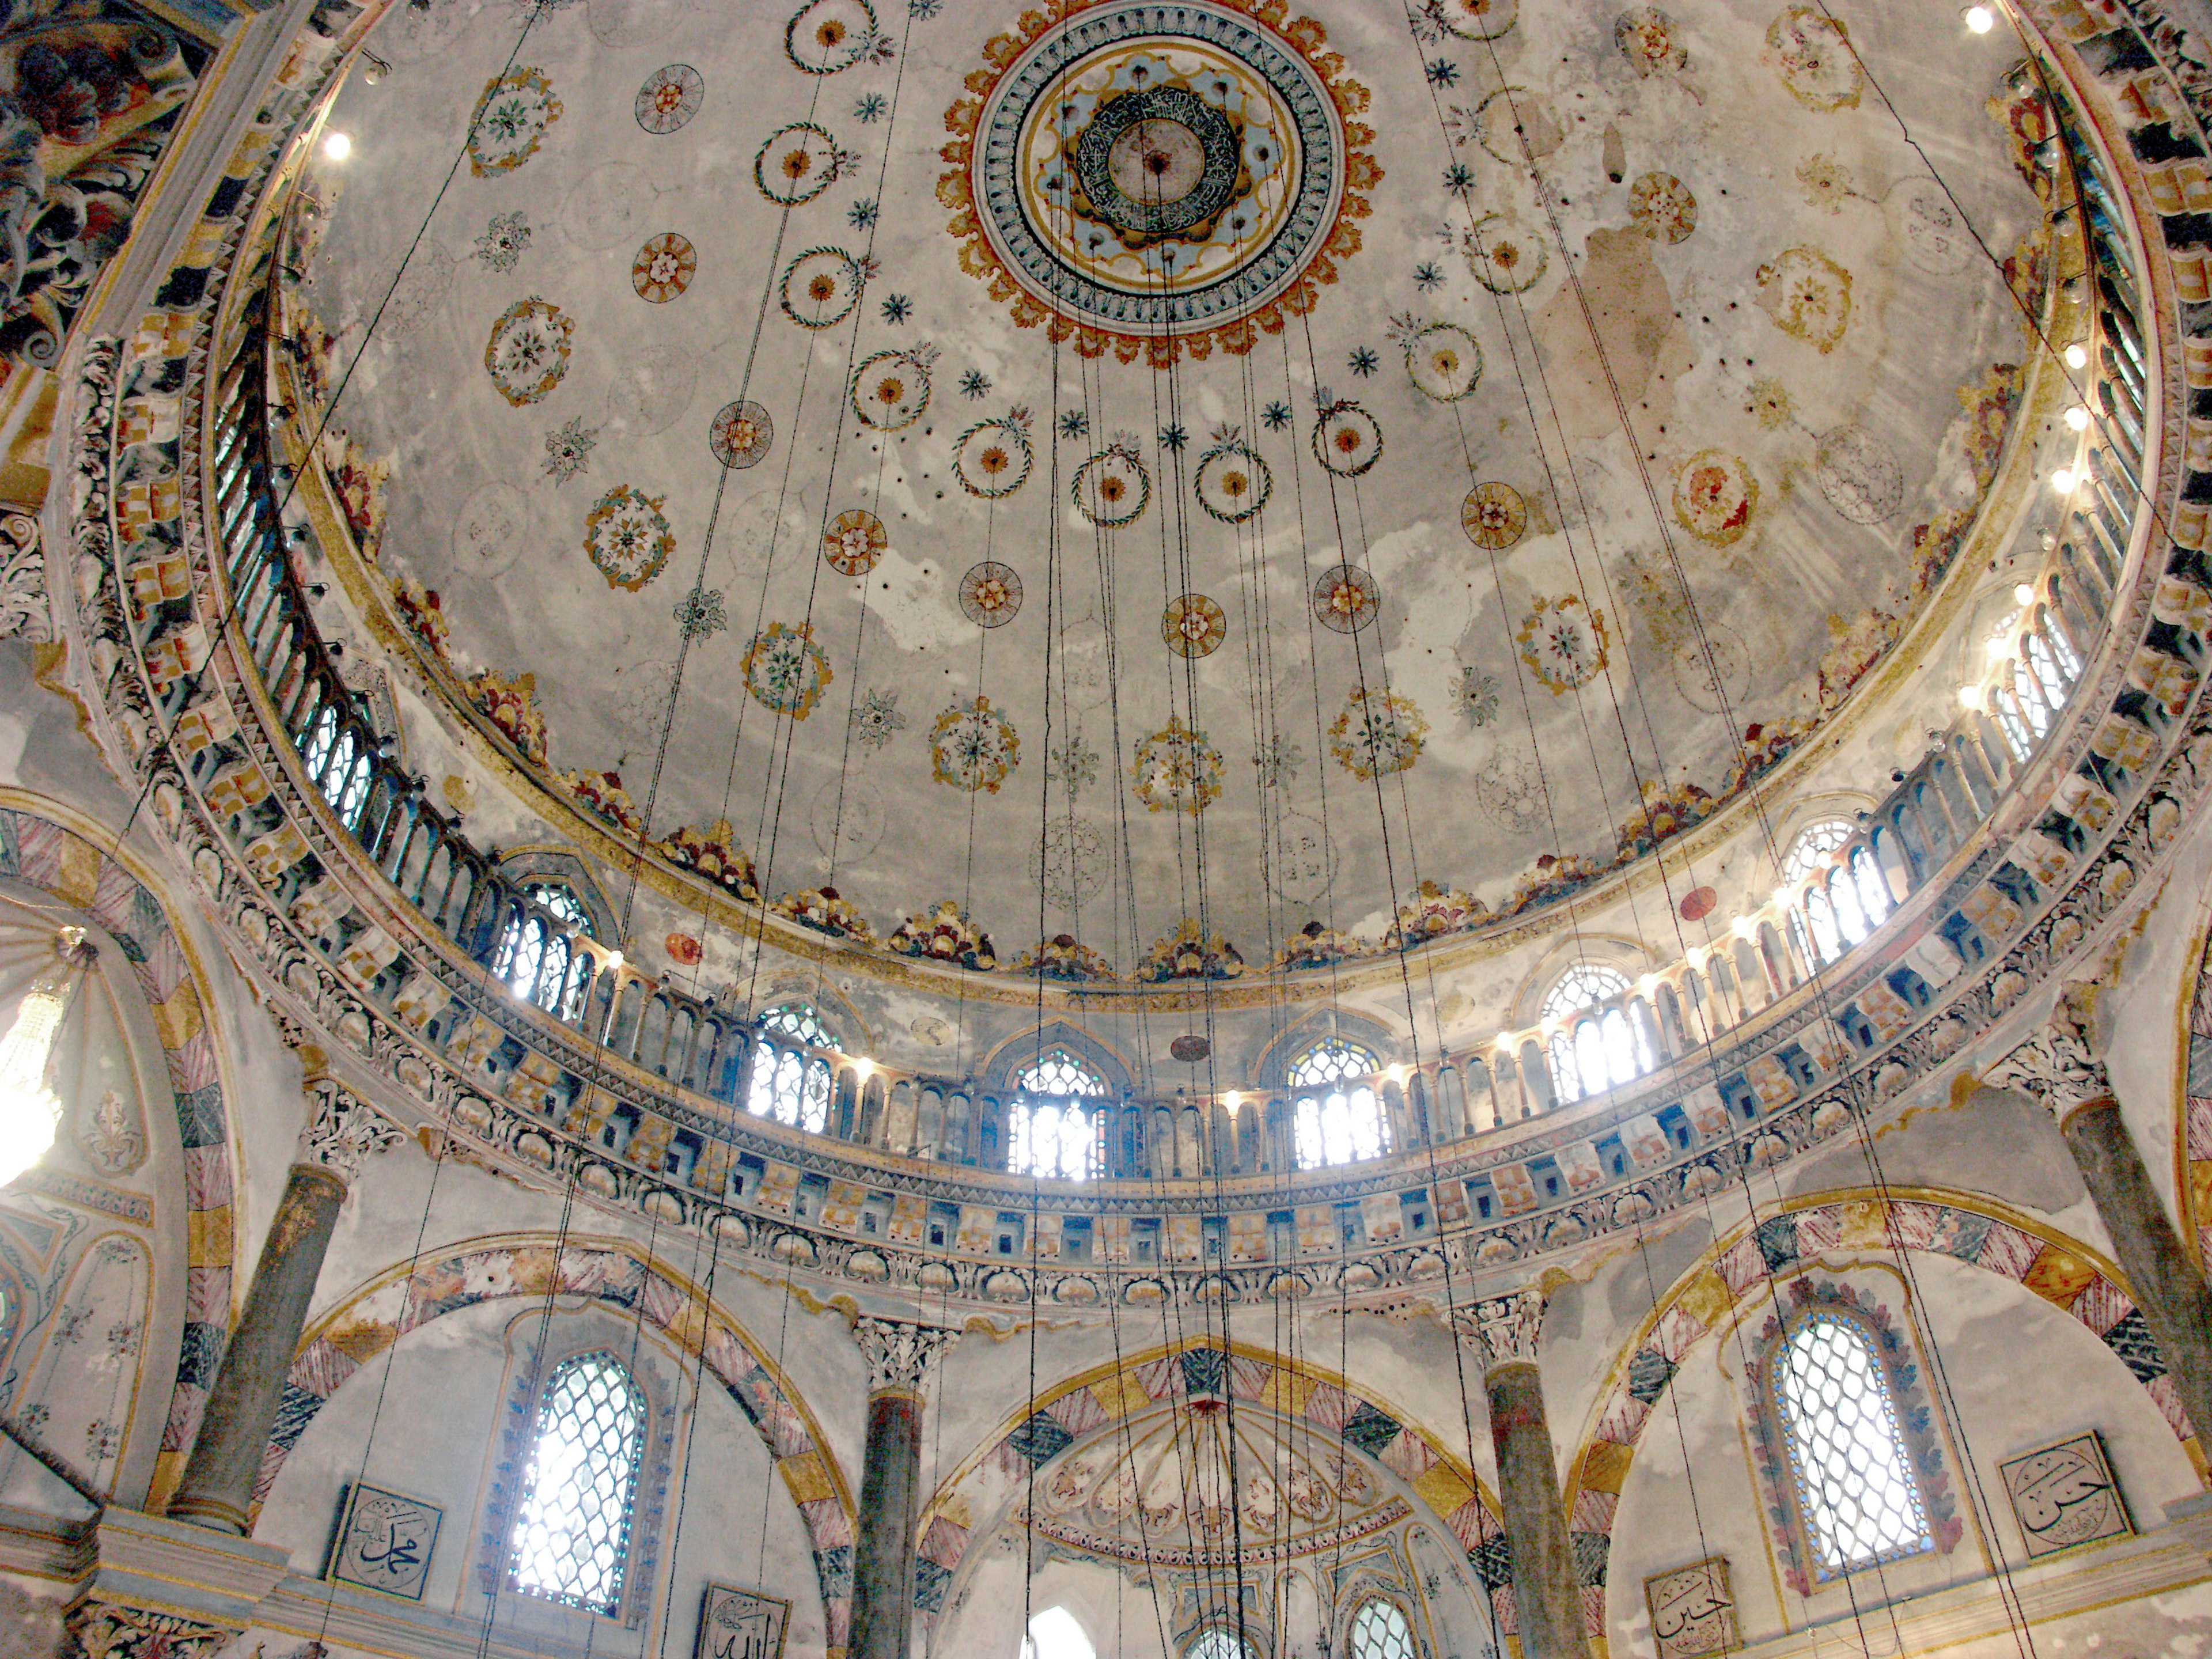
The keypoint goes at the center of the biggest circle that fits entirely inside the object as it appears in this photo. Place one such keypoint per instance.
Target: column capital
(899, 1352)
(2059, 1065)
(1503, 1330)
(343, 1129)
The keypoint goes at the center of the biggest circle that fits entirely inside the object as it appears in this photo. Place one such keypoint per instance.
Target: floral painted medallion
(740, 435)
(528, 351)
(785, 671)
(1563, 642)
(991, 458)
(1494, 516)
(1193, 626)
(796, 163)
(1346, 441)
(1377, 733)
(1112, 488)
(669, 97)
(853, 541)
(1177, 771)
(1232, 483)
(626, 538)
(891, 389)
(1715, 495)
(1345, 598)
(510, 120)
(664, 268)
(821, 287)
(990, 594)
(974, 747)
(826, 36)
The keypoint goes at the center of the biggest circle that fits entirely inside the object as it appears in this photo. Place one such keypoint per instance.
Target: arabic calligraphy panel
(1694, 1610)
(384, 1542)
(2064, 1497)
(741, 1624)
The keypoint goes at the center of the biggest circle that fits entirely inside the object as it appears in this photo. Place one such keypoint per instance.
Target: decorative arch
(403, 1299)
(1106, 1393)
(562, 868)
(60, 860)
(2062, 1270)
(1273, 1068)
(996, 1073)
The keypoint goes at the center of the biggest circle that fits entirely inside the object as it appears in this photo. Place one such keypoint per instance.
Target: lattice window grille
(1055, 1140)
(1058, 1074)
(1332, 1060)
(1379, 1631)
(561, 902)
(1856, 1489)
(797, 1021)
(572, 1528)
(1218, 1643)
(1816, 843)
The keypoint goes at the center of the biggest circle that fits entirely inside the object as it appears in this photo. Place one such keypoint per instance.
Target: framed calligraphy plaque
(1692, 1610)
(2064, 1497)
(741, 1624)
(385, 1542)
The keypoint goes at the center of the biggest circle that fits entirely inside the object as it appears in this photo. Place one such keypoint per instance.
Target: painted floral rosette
(1474, 19)
(664, 268)
(1177, 771)
(1504, 258)
(821, 287)
(626, 537)
(853, 541)
(740, 434)
(829, 36)
(669, 97)
(974, 747)
(990, 594)
(1441, 359)
(785, 671)
(891, 389)
(1494, 516)
(1663, 206)
(991, 458)
(1563, 642)
(1112, 489)
(1232, 483)
(1715, 495)
(1193, 626)
(796, 163)
(1346, 441)
(1377, 733)
(509, 121)
(1345, 598)
(528, 351)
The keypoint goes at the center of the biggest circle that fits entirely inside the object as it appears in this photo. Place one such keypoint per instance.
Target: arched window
(1056, 1634)
(797, 1021)
(1379, 1631)
(1857, 1494)
(1590, 1054)
(532, 955)
(1337, 1123)
(1815, 845)
(570, 1541)
(1215, 1642)
(1050, 1128)
(339, 765)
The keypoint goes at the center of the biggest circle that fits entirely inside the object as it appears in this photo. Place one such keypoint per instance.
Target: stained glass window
(1335, 1123)
(1856, 1488)
(1379, 1631)
(789, 1087)
(571, 1537)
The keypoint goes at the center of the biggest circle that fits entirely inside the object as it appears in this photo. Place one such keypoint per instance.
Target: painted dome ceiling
(1149, 462)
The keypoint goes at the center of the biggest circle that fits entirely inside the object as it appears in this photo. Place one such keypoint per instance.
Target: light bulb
(2023, 595)
(2062, 481)
(28, 1110)
(1980, 18)
(614, 962)
(338, 146)
(2077, 418)
(1970, 696)
(2077, 355)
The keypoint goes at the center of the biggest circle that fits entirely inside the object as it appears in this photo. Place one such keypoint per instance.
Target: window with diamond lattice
(1218, 1643)
(1379, 1631)
(1050, 1132)
(1857, 1494)
(571, 1538)
(796, 1019)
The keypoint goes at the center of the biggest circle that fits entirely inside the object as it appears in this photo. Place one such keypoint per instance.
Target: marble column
(2060, 1066)
(899, 1356)
(216, 1490)
(1504, 1332)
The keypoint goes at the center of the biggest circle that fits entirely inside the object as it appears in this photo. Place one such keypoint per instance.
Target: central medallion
(1160, 178)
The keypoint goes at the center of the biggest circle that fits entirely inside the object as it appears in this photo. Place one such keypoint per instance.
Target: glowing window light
(1855, 1484)
(28, 1110)
(571, 1539)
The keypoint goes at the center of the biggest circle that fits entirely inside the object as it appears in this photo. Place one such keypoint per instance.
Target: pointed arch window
(1215, 1642)
(1379, 1631)
(1858, 1499)
(338, 763)
(1052, 1128)
(570, 1541)
(534, 956)
(1595, 1046)
(786, 1085)
(1339, 1118)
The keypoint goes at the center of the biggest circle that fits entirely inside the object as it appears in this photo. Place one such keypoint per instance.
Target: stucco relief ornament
(343, 1130)
(102, 1630)
(626, 538)
(785, 671)
(510, 119)
(899, 1355)
(1504, 1329)
(528, 351)
(2056, 1066)
(1158, 181)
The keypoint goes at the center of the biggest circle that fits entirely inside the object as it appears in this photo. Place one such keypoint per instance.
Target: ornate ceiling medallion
(1158, 179)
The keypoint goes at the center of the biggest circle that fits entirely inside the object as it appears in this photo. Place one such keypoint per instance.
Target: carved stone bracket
(2058, 1065)
(23, 608)
(900, 1354)
(1504, 1329)
(343, 1129)
(114, 1630)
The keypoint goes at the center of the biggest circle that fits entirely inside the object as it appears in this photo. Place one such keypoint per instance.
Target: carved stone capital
(900, 1354)
(2058, 1066)
(115, 1630)
(343, 1129)
(1504, 1330)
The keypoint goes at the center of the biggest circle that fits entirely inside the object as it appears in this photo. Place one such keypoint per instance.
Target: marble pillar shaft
(2162, 1271)
(1544, 1592)
(217, 1488)
(883, 1556)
